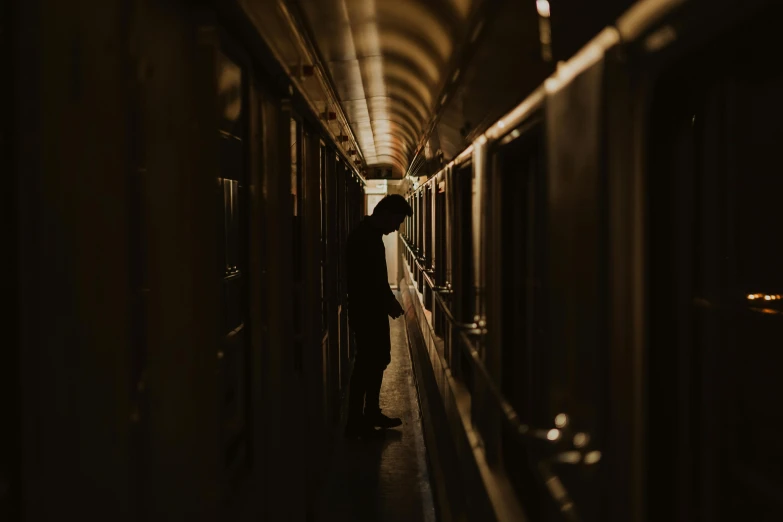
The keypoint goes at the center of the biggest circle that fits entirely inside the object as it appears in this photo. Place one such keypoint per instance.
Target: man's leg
(372, 410)
(357, 391)
(373, 390)
(374, 346)
(357, 425)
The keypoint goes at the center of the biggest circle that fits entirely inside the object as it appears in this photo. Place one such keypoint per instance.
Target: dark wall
(10, 466)
(505, 65)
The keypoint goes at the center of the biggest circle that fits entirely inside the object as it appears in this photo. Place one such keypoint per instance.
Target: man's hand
(395, 309)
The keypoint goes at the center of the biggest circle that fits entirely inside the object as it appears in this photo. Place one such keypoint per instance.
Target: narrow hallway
(384, 480)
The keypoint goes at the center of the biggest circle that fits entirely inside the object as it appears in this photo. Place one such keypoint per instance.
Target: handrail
(510, 414)
(425, 273)
(508, 410)
(468, 328)
(437, 291)
(412, 248)
(523, 431)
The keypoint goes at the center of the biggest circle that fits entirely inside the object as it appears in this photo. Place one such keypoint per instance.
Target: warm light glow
(581, 440)
(766, 297)
(660, 39)
(543, 8)
(416, 17)
(768, 311)
(561, 420)
(592, 457)
(397, 43)
(502, 124)
(570, 457)
(230, 89)
(553, 434)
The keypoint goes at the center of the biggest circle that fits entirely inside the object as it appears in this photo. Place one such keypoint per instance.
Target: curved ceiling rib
(388, 60)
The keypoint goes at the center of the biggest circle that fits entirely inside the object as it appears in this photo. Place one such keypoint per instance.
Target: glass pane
(231, 223)
(229, 95)
(295, 166)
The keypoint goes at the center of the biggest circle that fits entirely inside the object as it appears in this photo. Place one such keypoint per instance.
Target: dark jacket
(369, 296)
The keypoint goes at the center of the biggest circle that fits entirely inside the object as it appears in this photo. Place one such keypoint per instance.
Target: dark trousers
(373, 354)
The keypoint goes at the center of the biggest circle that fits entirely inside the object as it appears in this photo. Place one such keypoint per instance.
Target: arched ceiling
(389, 61)
(410, 83)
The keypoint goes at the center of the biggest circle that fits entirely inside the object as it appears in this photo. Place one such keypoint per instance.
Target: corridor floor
(384, 480)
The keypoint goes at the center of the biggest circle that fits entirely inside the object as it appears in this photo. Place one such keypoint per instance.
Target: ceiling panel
(422, 75)
(389, 60)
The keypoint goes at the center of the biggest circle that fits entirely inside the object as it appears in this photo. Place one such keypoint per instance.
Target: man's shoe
(382, 421)
(361, 430)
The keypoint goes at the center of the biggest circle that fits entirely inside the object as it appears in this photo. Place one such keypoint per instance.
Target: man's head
(390, 212)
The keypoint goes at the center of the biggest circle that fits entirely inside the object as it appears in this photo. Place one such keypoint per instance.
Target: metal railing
(523, 432)
(474, 329)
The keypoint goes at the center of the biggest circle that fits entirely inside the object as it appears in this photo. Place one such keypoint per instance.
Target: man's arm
(395, 308)
(392, 305)
(368, 284)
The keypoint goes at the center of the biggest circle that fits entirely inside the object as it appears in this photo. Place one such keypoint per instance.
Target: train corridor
(585, 249)
(387, 479)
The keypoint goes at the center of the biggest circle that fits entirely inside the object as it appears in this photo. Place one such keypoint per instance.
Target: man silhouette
(370, 301)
